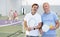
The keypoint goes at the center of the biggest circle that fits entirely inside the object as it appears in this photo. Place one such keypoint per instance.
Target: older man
(51, 19)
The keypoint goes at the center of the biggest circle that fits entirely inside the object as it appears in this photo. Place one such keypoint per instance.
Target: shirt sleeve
(56, 17)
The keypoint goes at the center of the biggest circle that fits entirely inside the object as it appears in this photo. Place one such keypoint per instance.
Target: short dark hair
(35, 4)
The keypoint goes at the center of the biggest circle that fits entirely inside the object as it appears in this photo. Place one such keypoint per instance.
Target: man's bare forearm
(25, 25)
(57, 24)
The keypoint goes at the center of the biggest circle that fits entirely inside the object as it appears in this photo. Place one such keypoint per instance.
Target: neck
(47, 12)
(33, 13)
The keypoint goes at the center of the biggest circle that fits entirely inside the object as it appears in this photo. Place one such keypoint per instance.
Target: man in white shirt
(32, 22)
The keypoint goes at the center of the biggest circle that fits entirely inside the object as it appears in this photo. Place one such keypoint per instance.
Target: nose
(46, 6)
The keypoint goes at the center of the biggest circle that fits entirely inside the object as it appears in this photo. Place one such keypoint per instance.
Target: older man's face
(46, 7)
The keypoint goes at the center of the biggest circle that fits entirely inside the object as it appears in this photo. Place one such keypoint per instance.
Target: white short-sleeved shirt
(32, 20)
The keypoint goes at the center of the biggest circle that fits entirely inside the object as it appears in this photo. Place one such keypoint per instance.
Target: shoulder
(42, 14)
(53, 13)
(27, 16)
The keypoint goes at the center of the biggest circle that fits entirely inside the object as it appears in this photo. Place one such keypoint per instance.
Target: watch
(34, 28)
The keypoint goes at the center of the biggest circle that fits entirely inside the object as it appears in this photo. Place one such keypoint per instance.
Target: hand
(52, 28)
(29, 28)
(41, 32)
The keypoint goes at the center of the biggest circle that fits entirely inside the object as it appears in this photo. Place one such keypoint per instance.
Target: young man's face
(46, 7)
(34, 9)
